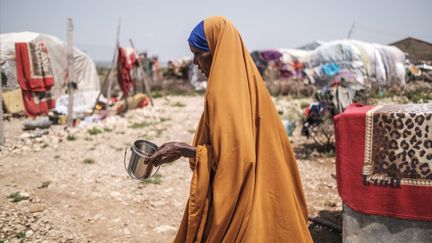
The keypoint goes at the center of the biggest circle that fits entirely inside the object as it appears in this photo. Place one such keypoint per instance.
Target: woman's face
(203, 59)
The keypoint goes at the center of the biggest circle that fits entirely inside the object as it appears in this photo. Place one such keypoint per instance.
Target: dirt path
(78, 191)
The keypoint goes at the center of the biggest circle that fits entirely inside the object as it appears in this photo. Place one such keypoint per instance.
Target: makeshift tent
(289, 55)
(284, 60)
(290, 58)
(358, 61)
(259, 61)
(86, 76)
(179, 68)
(311, 46)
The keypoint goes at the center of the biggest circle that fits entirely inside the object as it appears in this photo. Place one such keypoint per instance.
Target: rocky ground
(60, 185)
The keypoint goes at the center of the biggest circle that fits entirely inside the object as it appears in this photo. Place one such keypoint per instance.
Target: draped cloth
(126, 61)
(35, 77)
(245, 185)
(379, 171)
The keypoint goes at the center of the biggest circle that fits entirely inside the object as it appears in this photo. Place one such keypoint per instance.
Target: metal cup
(141, 150)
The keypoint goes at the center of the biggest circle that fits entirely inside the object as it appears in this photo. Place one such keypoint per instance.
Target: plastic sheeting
(270, 55)
(289, 55)
(85, 70)
(362, 62)
(83, 102)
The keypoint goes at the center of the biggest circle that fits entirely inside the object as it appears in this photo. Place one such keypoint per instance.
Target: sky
(161, 27)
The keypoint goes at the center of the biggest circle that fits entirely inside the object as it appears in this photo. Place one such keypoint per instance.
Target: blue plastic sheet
(331, 69)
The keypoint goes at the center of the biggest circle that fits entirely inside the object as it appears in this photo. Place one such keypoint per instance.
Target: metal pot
(138, 168)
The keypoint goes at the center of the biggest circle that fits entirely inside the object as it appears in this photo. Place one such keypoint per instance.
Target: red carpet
(400, 201)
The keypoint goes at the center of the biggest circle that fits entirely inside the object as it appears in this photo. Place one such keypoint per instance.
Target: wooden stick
(144, 79)
(113, 63)
(2, 138)
(326, 223)
(100, 92)
(144, 84)
(109, 71)
(71, 73)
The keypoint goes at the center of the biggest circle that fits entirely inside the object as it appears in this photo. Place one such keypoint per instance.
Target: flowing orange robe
(245, 185)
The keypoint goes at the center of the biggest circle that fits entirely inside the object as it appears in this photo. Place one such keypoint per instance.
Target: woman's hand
(170, 152)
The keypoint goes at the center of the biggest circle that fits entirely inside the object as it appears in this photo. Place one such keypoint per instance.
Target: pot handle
(124, 160)
(156, 171)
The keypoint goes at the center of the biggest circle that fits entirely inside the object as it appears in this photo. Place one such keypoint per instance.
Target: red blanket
(35, 77)
(126, 60)
(398, 200)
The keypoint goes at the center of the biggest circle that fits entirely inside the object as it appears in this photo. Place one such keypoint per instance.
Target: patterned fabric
(35, 77)
(398, 148)
(127, 59)
(400, 201)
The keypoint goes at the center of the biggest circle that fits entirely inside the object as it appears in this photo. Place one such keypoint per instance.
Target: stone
(330, 204)
(36, 208)
(115, 194)
(164, 228)
(34, 226)
(25, 194)
(157, 204)
(26, 148)
(19, 228)
(25, 135)
(177, 204)
(29, 233)
(97, 216)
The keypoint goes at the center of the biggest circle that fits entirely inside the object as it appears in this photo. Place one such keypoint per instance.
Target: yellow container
(62, 119)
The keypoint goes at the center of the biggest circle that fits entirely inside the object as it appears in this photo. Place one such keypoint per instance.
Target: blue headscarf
(197, 37)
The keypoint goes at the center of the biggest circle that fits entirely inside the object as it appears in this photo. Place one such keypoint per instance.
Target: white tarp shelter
(85, 71)
(289, 55)
(357, 61)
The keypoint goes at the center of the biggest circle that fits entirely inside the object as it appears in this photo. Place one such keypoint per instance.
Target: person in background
(245, 185)
(298, 68)
(156, 68)
(147, 64)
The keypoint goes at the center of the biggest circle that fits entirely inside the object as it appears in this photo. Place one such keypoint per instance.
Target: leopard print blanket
(398, 146)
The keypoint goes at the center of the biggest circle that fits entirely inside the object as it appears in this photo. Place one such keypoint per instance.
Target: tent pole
(2, 138)
(107, 76)
(144, 79)
(71, 73)
(113, 63)
(351, 30)
(104, 84)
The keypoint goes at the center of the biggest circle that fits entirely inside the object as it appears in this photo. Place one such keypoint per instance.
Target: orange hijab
(245, 185)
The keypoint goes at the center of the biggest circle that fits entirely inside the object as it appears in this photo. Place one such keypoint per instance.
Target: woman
(245, 185)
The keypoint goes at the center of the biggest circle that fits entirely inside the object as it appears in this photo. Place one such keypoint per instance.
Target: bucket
(141, 150)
